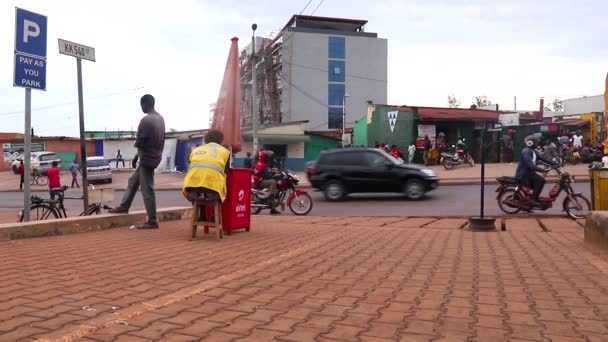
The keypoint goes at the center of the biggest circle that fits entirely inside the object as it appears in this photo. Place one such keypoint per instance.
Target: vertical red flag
(227, 112)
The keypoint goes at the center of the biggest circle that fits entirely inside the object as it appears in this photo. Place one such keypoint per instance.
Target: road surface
(447, 200)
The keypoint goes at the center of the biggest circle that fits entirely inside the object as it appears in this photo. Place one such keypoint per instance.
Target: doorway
(280, 154)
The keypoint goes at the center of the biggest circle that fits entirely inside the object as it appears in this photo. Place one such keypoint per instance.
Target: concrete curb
(82, 224)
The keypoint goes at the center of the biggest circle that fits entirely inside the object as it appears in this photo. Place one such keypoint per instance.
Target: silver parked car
(98, 169)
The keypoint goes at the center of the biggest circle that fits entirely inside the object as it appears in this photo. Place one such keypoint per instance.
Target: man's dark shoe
(118, 210)
(149, 225)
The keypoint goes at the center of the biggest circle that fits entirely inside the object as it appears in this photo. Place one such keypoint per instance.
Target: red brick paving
(305, 279)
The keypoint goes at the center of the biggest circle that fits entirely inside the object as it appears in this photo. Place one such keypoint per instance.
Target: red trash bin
(236, 209)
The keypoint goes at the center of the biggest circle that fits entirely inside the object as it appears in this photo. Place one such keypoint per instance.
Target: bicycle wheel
(42, 180)
(93, 209)
(41, 211)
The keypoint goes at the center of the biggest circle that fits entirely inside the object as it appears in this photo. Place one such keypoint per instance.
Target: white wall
(295, 150)
(167, 162)
(584, 105)
(111, 147)
(128, 151)
(305, 64)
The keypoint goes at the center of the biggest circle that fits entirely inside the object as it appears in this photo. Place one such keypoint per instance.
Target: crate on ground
(101, 195)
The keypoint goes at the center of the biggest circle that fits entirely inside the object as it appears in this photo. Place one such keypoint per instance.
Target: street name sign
(76, 50)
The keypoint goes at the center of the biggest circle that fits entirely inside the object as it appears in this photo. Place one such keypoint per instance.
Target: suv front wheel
(334, 191)
(414, 189)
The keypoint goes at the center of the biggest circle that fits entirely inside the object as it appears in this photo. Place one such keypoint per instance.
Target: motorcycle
(513, 196)
(298, 200)
(591, 154)
(450, 161)
(570, 154)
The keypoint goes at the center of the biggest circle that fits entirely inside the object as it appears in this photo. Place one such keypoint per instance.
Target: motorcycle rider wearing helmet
(527, 169)
(263, 177)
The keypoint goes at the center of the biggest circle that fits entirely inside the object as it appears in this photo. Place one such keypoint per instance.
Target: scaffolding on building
(268, 82)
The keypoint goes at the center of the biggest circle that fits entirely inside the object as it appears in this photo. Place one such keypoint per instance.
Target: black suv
(340, 172)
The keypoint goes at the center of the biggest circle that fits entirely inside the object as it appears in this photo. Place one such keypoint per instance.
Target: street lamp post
(253, 93)
(344, 119)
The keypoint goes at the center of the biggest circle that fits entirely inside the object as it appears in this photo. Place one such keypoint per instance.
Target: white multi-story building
(328, 63)
(314, 69)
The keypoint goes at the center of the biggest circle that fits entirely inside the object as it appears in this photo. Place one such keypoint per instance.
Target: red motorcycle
(298, 200)
(513, 196)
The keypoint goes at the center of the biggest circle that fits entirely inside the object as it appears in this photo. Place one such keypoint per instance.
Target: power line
(303, 92)
(316, 8)
(69, 103)
(348, 75)
(305, 7)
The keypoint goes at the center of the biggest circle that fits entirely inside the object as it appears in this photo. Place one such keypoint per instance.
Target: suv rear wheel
(334, 191)
(414, 189)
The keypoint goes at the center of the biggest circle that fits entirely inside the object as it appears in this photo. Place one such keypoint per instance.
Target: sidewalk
(306, 279)
(173, 181)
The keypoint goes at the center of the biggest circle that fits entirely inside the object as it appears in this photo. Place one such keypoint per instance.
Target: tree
(558, 105)
(172, 130)
(453, 102)
(481, 101)
(555, 106)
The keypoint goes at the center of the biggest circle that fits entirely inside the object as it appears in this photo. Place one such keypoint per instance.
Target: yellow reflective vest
(206, 169)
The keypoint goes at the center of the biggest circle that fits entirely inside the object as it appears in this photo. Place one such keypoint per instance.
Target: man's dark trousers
(143, 178)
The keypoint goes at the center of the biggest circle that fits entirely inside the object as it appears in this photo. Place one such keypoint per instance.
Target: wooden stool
(198, 210)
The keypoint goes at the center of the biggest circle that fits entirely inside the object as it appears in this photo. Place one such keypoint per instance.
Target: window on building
(334, 118)
(336, 94)
(337, 47)
(336, 71)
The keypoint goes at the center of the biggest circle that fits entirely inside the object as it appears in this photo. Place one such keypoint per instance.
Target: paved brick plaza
(307, 279)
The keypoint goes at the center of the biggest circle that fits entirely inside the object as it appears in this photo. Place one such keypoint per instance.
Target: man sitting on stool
(209, 164)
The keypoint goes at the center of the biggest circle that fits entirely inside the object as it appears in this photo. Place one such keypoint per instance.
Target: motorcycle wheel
(446, 163)
(577, 206)
(505, 195)
(302, 209)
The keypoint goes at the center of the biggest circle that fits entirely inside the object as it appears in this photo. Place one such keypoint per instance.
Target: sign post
(29, 72)
(80, 52)
(482, 222)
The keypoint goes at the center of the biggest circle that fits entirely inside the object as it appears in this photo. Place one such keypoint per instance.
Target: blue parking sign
(30, 33)
(30, 50)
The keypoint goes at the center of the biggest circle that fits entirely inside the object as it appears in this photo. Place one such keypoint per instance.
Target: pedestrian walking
(150, 143)
(248, 162)
(427, 150)
(411, 151)
(119, 158)
(21, 174)
(75, 170)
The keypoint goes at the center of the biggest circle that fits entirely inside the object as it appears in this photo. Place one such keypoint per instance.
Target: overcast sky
(177, 50)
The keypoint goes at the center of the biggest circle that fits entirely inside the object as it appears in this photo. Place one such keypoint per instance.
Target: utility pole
(514, 102)
(253, 93)
(344, 119)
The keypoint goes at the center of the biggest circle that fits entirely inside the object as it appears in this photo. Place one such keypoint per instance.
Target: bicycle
(38, 179)
(43, 209)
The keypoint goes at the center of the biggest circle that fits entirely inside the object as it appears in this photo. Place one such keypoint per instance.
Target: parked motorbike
(591, 154)
(298, 200)
(452, 160)
(513, 196)
(570, 154)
